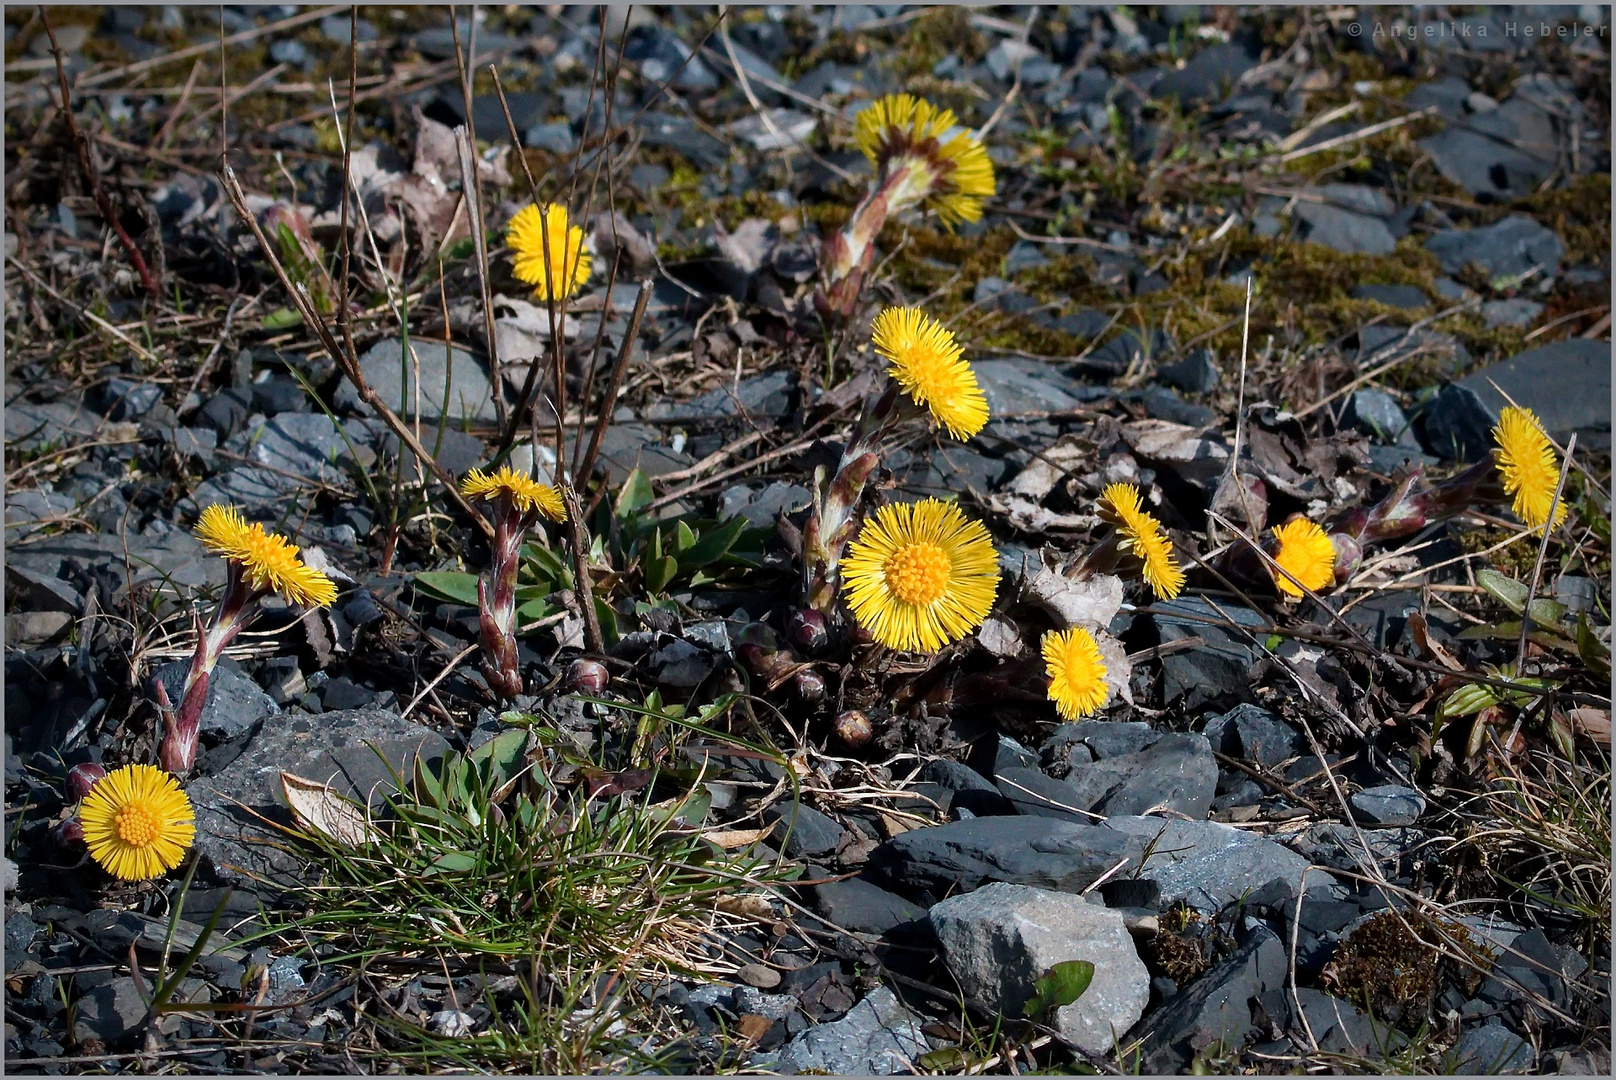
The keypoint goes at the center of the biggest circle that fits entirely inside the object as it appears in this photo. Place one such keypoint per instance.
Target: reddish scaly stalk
(850, 252)
(496, 598)
(177, 751)
(1410, 506)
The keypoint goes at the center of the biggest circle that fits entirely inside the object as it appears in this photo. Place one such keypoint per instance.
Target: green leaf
(945, 1059)
(281, 319)
(684, 538)
(427, 787)
(1506, 590)
(532, 611)
(455, 585)
(658, 572)
(608, 621)
(453, 862)
(547, 566)
(713, 545)
(1592, 650)
(1058, 987)
(636, 493)
(500, 761)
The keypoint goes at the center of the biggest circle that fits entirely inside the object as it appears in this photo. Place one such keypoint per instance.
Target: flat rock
(1344, 230)
(34, 425)
(962, 855)
(1176, 772)
(176, 557)
(294, 448)
(1519, 312)
(1377, 414)
(1207, 864)
(1219, 666)
(769, 394)
(878, 1037)
(1209, 74)
(1017, 387)
(1197, 373)
(759, 507)
(1506, 249)
(999, 939)
(862, 907)
(1255, 734)
(234, 703)
(1490, 1050)
(1216, 1006)
(629, 446)
(1398, 296)
(1389, 804)
(1566, 383)
(1484, 166)
(112, 1012)
(804, 831)
(470, 393)
(351, 750)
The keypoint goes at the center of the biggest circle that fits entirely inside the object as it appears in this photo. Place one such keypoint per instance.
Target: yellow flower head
(137, 822)
(569, 262)
(1142, 536)
(952, 178)
(526, 493)
(921, 575)
(1305, 552)
(926, 362)
(1076, 672)
(267, 561)
(1525, 459)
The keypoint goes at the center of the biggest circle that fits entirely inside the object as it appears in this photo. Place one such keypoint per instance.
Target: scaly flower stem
(850, 252)
(177, 751)
(496, 600)
(1410, 506)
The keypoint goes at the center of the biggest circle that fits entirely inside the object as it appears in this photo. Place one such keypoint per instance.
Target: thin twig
(92, 176)
(603, 419)
(344, 358)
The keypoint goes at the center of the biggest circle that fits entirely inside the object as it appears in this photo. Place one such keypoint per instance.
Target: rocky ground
(1273, 859)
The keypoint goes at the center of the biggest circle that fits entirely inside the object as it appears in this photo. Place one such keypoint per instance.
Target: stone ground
(1191, 845)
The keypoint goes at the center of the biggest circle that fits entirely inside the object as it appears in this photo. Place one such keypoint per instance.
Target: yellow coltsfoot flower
(1526, 462)
(525, 493)
(921, 575)
(926, 363)
(1305, 552)
(569, 261)
(137, 822)
(268, 563)
(1076, 672)
(952, 178)
(1142, 536)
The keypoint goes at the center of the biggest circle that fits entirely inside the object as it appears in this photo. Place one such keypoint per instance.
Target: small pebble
(764, 978)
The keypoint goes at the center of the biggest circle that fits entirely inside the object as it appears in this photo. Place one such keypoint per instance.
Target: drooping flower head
(921, 575)
(525, 493)
(1076, 672)
(570, 262)
(1305, 552)
(926, 362)
(269, 563)
(1526, 461)
(952, 178)
(137, 822)
(1142, 536)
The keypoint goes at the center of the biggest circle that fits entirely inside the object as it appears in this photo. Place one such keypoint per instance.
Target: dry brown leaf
(1093, 602)
(748, 905)
(753, 1027)
(1592, 723)
(729, 839)
(317, 807)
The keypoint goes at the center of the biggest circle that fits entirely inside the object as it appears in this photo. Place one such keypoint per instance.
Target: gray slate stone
(1484, 166)
(862, 906)
(1214, 1007)
(1197, 373)
(1252, 732)
(112, 1012)
(1515, 312)
(470, 396)
(962, 855)
(999, 939)
(1343, 230)
(1176, 772)
(1506, 249)
(1398, 296)
(1389, 804)
(1208, 864)
(1490, 1050)
(339, 747)
(234, 703)
(1377, 414)
(175, 556)
(291, 446)
(807, 832)
(760, 507)
(1218, 668)
(762, 395)
(878, 1037)
(1566, 383)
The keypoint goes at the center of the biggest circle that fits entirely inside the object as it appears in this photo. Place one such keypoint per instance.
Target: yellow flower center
(136, 826)
(918, 572)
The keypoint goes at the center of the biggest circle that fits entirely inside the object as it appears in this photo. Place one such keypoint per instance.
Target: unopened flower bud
(853, 729)
(809, 685)
(806, 630)
(69, 835)
(81, 778)
(1348, 557)
(587, 677)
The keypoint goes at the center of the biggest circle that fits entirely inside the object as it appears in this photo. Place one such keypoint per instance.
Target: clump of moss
(946, 31)
(1578, 213)
(1392, 965)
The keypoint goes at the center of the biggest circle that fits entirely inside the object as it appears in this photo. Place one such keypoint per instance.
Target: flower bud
(806, 629)
(1348, 557)
(69, 835)
(853, 729)
(809, 685)
(81, 778)
(587, 677)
